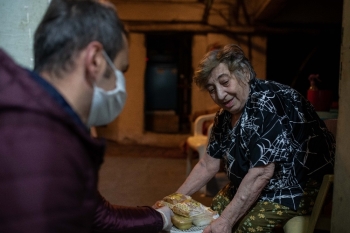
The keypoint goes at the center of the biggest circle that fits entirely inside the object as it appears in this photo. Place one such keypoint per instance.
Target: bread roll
(176, 198)
(181, 222)
(202, 219)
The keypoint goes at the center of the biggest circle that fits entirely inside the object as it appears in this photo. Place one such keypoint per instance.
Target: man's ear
(94, 62)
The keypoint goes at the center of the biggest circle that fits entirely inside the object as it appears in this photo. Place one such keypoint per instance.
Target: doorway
(168, 82)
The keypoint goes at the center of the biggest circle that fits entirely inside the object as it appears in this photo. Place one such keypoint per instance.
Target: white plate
(193, 229)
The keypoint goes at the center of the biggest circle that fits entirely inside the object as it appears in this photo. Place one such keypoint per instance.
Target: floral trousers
(264, 216)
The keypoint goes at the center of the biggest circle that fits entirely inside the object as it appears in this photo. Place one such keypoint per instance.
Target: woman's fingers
(207, 229)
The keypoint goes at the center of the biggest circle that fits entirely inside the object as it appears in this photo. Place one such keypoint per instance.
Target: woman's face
(226, 90)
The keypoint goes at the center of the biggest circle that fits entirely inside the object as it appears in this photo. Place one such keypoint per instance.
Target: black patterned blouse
(277, 125)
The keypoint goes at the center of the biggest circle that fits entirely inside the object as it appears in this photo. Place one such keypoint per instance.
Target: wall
(200, 98)
(19, 19)
(159, 11)
(341, 194)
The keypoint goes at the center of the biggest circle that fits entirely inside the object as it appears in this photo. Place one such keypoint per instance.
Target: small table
(332, 114)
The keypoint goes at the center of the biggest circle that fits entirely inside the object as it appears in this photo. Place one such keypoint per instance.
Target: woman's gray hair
(231, 55)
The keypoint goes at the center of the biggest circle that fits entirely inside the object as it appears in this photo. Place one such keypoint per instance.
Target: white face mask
(107, 105)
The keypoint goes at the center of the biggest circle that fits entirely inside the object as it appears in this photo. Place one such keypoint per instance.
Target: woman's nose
(220, 93)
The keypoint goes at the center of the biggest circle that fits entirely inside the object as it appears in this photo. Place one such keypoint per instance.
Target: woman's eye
(211, 90)
(225, 83)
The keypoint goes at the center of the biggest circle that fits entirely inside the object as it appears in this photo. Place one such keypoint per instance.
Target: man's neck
(74, 90)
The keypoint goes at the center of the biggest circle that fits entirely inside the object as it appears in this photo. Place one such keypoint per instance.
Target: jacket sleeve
(113, 218)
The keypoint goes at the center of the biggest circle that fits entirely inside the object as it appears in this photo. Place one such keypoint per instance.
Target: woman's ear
(246, 76)
(95, 63)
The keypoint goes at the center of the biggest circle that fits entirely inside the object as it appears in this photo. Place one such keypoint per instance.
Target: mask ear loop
(119, 78)
(109, 61)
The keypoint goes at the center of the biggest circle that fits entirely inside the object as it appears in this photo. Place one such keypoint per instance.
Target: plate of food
(189, 215)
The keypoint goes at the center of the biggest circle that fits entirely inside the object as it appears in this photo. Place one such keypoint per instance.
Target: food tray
(193, 229)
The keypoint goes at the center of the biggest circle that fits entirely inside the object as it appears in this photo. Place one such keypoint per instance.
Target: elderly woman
(275, 147)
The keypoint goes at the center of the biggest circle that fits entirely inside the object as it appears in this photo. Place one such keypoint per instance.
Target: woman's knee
(264, 217)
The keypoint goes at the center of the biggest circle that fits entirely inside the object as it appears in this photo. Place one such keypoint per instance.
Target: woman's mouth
(228, 104)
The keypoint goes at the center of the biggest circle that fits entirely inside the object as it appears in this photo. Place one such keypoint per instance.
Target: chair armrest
(198, 124)
(209, 130)
(315, 214)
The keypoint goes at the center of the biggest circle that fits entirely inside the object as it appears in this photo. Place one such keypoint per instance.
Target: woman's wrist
(229, 216)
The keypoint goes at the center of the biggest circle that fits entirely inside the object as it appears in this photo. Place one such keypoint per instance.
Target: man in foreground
(48, 161)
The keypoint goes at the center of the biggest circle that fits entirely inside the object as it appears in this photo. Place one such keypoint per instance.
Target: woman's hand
(219, 225)
(248, 192)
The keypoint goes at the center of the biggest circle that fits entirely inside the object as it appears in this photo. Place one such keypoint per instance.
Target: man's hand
(157, 205)
(166, 213)
(219, 225)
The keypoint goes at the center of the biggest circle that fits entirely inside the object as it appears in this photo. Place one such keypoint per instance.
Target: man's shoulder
(5, 59)
(9, 70)
(15, 86)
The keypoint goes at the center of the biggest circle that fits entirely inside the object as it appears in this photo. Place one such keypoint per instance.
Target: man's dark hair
(68, 26)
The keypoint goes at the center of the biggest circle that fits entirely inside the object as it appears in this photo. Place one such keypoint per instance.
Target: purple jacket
(49, 166)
